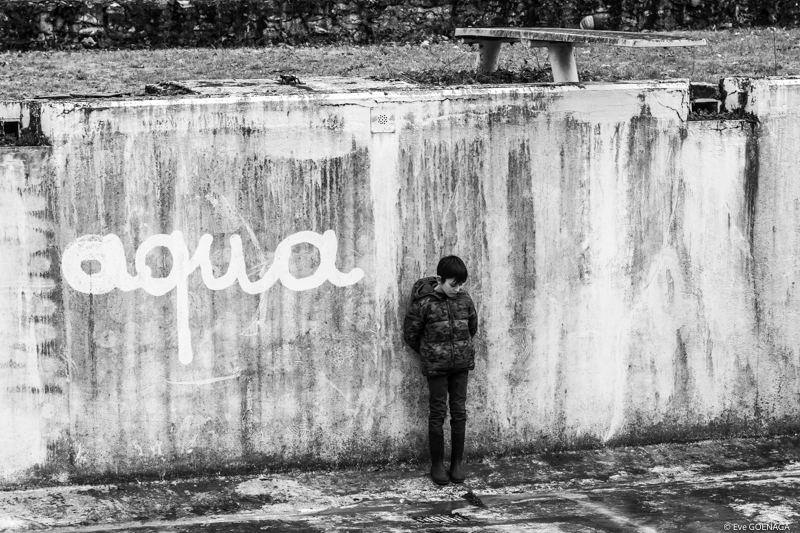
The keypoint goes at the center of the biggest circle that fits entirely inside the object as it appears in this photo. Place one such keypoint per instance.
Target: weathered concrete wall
(776, 243)
(632, 273)
(33, 392)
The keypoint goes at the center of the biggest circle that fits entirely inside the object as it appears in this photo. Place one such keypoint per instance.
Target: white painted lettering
(113, 273)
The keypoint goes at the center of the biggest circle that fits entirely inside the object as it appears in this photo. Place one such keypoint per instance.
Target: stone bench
(560, 43)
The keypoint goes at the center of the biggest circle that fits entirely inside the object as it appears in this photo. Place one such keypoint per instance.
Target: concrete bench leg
(562, 61)
(487, 57)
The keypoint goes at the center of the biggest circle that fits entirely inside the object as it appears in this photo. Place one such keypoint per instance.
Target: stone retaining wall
(134, 23)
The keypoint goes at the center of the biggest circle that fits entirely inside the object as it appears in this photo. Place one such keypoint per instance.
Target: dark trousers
(453, 385)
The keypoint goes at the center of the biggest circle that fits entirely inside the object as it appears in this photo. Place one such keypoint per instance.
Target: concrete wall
(776, 246)
(633, 273)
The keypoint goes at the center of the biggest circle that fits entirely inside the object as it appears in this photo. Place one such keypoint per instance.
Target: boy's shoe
(438, 473)
(456, 472)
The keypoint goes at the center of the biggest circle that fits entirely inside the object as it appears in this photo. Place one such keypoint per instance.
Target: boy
(439, 326)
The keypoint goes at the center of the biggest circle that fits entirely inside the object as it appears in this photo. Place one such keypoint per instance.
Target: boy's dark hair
(452, 267)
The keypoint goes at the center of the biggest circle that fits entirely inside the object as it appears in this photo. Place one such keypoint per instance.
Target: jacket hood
(423, 287)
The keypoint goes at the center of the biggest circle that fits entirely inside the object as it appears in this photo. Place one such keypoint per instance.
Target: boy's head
(451, 273)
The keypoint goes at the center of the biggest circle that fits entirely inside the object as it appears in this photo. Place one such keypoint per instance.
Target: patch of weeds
(26, 138)
(8, 140)
(438, 76)
(602, 75)
(736, 114)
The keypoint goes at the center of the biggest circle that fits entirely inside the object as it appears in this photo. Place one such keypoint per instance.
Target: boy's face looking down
(450, 287)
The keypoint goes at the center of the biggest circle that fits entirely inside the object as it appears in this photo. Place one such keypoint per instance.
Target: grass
(738, 52)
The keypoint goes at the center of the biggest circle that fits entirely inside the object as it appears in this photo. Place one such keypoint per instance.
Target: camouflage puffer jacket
(440, 329)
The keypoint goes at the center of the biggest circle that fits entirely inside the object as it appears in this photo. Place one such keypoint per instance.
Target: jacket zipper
(452, 336)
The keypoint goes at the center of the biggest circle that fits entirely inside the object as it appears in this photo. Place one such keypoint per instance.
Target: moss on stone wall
(135, 23)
